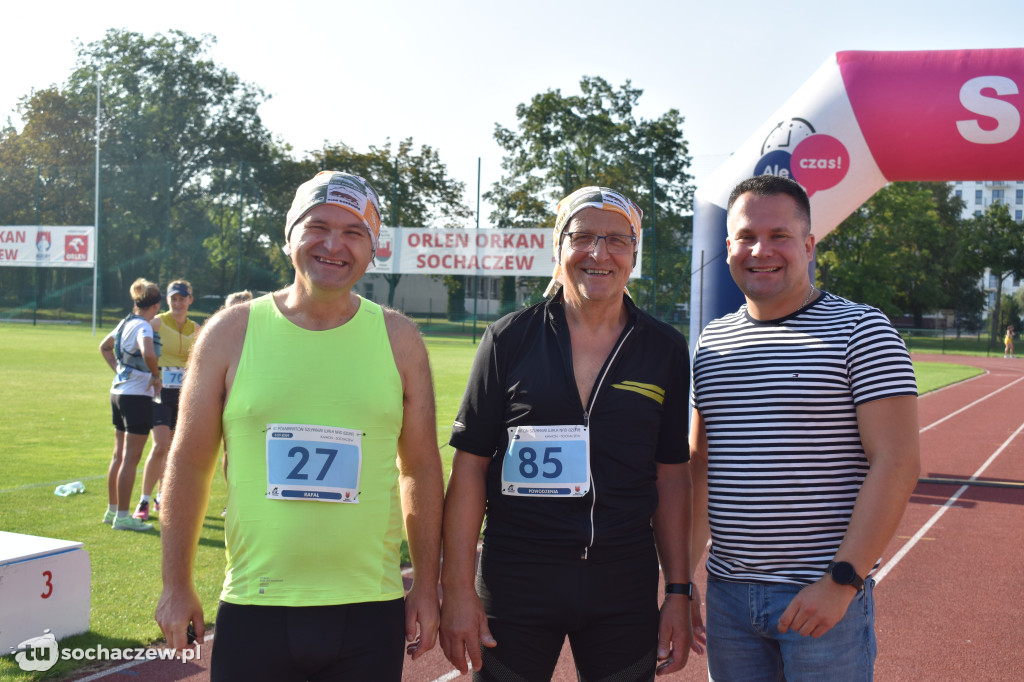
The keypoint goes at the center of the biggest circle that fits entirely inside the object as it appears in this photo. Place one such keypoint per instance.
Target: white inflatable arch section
(865, 119)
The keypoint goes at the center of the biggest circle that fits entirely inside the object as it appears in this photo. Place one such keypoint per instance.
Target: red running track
(949, 603)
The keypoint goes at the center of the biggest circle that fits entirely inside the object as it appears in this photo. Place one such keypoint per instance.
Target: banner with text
(486, 252)
(48, 246)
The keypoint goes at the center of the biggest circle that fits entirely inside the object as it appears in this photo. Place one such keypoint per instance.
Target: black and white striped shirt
(785, 460)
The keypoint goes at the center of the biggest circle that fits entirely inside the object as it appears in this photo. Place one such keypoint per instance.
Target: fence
(951, 341)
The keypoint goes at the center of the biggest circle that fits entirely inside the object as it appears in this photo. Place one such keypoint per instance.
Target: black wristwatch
(680, 588)
(844, 573)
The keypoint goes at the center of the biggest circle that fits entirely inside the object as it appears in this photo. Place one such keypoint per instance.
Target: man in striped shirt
(804, 451)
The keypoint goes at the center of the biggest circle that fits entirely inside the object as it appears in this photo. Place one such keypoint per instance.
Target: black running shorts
(363, 641)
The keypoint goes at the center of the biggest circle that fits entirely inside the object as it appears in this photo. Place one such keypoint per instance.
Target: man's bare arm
(700, 530)
(671, 524)
(463, 621)
(190, 468)
(420, 481)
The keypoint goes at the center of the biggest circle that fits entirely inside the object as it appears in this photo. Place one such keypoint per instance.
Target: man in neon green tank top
(313, 390)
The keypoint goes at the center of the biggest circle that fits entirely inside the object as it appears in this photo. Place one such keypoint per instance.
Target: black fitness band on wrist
(680, 588)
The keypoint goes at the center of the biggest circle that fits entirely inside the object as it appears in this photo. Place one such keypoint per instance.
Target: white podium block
(45, 584)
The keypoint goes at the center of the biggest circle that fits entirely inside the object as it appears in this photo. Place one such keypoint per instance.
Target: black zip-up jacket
(523, 375)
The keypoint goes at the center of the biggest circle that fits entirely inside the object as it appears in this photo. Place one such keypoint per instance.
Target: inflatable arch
(865, 119)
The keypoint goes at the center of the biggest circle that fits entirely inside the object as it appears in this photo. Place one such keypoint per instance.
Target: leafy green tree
(1011, 313)
(169, 117)
(46, 178)
(563, 142)
(902, 251)
(998, 242)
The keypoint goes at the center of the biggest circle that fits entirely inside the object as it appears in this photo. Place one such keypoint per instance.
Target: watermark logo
(39, 654)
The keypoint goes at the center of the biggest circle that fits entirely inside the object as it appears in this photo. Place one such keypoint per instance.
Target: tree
(1011, 313)
(999, 244)
(170, 118)
(901, 252)
(414, 187)
(563, 142)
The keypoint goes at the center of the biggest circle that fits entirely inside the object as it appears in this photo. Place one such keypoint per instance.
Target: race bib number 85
(547, 461)
(317, 463)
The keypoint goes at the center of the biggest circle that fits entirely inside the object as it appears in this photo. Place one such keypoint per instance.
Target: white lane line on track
(125, 666)
(967, 407)
(450, 676)
(905, 549)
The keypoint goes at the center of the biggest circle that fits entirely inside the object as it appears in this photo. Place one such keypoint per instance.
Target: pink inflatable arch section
(865, 119)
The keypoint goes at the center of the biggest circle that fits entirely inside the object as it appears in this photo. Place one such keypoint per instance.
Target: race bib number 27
(315, 463)
(547, 461)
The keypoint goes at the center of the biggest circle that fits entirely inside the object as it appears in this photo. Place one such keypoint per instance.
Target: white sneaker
(130, 523)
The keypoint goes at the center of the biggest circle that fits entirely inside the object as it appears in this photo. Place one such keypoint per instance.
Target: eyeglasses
(617, 244)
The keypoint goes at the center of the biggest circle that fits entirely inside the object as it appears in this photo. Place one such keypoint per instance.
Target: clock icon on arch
(787, 135)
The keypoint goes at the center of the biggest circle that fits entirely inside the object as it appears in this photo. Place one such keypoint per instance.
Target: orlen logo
(794, 150)
(76, 247)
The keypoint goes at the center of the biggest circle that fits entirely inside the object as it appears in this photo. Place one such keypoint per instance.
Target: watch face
(843, 573)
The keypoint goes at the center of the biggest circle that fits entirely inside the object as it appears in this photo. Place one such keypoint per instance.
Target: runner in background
(237, 297)
(178, 334)
(132, 352)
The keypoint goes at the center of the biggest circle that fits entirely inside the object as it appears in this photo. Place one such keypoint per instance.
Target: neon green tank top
(176, 345)
(299, 552)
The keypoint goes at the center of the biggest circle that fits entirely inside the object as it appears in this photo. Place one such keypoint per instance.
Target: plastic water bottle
(69, 489)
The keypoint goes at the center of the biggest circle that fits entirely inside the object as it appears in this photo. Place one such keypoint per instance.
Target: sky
(446, 72)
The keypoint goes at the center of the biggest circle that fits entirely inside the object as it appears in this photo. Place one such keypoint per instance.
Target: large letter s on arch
(1006, 115)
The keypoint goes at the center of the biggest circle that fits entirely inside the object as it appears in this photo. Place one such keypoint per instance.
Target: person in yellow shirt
(1008, 343)
(178, 333)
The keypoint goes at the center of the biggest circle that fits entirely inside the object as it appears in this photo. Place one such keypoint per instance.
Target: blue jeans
(744, 643)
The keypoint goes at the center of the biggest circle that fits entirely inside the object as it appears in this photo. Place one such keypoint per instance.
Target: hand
(422, 617)
(175, 610)
(817, 607)
(464, 629)
(675, 636)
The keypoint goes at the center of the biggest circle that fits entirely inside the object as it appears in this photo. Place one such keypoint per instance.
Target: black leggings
(363, 641)
(607, 607)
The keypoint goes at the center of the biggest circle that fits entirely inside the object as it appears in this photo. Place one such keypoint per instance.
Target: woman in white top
(131, 350)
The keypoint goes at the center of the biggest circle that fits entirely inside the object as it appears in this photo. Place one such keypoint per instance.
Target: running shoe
(109, 516)
(130, 523)
(156, 504)
(142, 511)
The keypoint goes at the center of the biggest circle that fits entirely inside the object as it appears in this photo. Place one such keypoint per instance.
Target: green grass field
(56, 429)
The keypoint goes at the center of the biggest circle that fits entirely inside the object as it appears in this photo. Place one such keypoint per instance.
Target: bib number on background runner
(547, 461)
(316, 463)
(172, 377)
